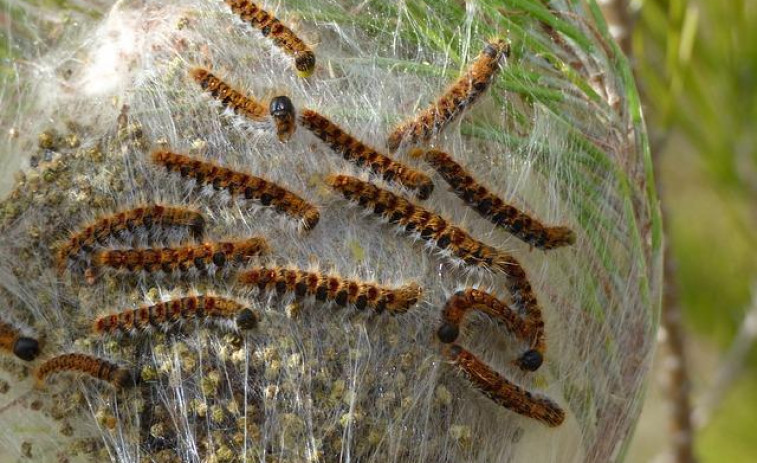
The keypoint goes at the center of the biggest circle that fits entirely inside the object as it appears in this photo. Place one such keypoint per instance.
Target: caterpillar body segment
(240, 185)
(163, 314)
(493, 208)
(281, 35)
(364, 156)
(454, 101)
(332, 288)
(200, 257)
(230, 98)
(95, 367)
(503, 392)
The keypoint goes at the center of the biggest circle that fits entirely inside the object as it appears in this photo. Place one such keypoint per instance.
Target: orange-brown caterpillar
(528, 329)
(283, 114)
(146, 217)
(12, 341)
(282, 36)
(95, 367)
(454, 101)
(332, 288)
(502, 391)
(428, 225)
(240, 184)
(230, 98)
(165, 313)
(492, 207)
(182, 259)
(452, 240)
(362, 155)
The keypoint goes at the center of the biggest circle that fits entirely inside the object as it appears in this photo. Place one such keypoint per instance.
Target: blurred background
(696, 67)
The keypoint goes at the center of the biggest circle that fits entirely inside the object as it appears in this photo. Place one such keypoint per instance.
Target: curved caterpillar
(332, 288)
(502, 391)
(147, 217)
(283, 114)
(239, 184)
(182, 259)
(229, 97)
(98, 368)
(454, 101)
(282, 36)
(363, 155)
(13, 342)
(163, 313)
(530, 329)
(492, 207)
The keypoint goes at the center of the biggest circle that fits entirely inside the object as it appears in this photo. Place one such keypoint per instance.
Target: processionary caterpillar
(95, 367)
(456, 99)
(502, 391)
(492, 207)
(173, 311)
(332, 288)
(235, 100)
(149, 217)
(182, 259)
(240, 184)
(363, 155)
(282, 36)
(12, 341)
(529, 329)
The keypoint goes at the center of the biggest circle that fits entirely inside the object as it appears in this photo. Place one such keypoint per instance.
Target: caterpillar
(13, 342)
(454, 101)
(173, 311)
(239, 184)
(148, 217)
(528, 329)
(98, 368)
(429, 226)
(282, 36)
(283, 114)
(182, 259)
(332, 288)
(502, 391)
(230, 98)
(362, 155)
(491, 207)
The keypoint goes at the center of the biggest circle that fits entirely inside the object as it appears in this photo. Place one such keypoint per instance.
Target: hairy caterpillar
(175, 310)
(239, 184)
(182, 259)
(283, 114)
(229, 97)
(362, 155)
(282, 36)
(428, 225)
(502, 391)
(456, 99)
(95, 367)
(146, 217)
(492, 207)
(12, 341)
(530, 329)
(332, 288)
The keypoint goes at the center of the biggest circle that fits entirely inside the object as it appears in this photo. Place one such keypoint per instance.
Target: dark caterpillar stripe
(95, 367)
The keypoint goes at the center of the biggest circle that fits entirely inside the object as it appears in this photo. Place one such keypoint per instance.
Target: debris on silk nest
(184, 282)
